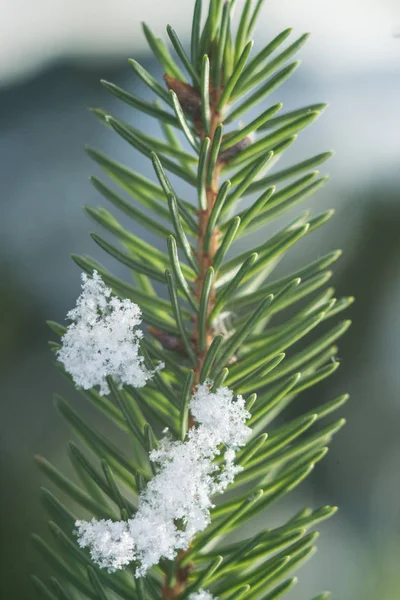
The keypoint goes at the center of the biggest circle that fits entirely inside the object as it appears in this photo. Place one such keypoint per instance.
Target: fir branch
(216, 328)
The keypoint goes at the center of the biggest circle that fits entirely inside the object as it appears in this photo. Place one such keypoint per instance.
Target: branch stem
(206, 257)
(205, 260)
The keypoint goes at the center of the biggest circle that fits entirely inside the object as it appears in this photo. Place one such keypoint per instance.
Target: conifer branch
(182, 364)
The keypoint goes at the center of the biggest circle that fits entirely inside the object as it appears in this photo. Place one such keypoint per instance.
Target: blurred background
(52, 55)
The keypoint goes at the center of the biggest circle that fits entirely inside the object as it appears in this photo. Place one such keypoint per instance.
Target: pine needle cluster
(213, 318)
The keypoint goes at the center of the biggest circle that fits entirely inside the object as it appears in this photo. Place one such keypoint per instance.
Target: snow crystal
(201, 595)
(111, 546)
(222, 416)
(176, 503)
(102, 339)
(223, 323)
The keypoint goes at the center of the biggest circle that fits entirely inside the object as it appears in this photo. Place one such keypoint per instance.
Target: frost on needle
(201, 595)
(103, 339)
(176, 503)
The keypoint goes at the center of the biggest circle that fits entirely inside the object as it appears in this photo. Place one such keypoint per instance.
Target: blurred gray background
(52, 55)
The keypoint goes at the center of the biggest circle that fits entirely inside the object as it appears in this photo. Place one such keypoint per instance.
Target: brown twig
(205, 260)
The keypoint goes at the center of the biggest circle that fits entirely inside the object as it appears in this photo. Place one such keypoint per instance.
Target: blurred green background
(52, 57)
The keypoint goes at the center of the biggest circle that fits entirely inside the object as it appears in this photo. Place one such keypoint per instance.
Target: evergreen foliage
(219, 322)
